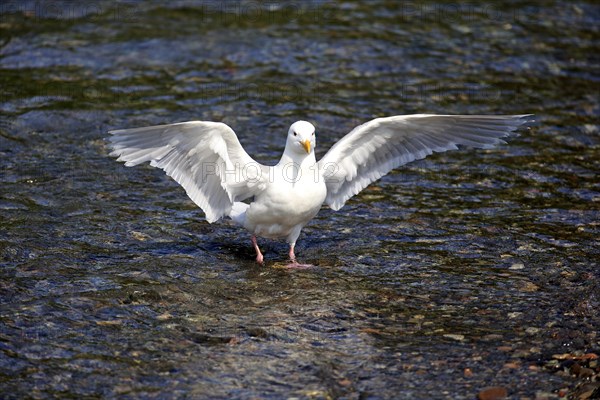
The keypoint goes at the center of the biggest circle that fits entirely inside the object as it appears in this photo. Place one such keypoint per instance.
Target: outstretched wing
(373, 149)
(206, 158)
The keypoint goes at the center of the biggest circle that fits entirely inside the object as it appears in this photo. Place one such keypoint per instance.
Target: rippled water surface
(465, 270)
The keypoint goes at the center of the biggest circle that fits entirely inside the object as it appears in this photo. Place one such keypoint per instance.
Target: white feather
(373, 149)
(206, 158)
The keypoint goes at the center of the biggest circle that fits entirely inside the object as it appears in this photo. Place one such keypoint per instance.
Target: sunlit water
(465, 270)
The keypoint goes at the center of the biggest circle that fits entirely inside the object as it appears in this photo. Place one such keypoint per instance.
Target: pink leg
(259, 256)
(292, 255)
(294, 263)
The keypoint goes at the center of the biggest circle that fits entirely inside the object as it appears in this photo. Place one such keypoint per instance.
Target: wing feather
(205, 158)
(373, 149)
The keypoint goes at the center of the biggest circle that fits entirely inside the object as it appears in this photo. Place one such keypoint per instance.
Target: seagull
(208, 161)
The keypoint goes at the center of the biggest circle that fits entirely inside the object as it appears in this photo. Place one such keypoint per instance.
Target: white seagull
(207, 159)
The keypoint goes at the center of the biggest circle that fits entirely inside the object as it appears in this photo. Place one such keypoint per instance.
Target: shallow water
(465, 270)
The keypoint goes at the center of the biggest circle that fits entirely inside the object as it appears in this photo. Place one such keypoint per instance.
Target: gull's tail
(238, 212)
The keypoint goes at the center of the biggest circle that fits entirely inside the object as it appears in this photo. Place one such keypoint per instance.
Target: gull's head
(301, 138)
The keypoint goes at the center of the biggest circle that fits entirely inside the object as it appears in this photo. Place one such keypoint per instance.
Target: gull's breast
(284, 206)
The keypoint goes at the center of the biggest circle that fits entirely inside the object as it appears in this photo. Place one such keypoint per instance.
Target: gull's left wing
(373, 149)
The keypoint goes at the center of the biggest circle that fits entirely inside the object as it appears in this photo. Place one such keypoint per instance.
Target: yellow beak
(306, 145)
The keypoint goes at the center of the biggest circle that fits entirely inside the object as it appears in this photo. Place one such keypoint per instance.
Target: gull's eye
(295, 134)
(313, 133)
